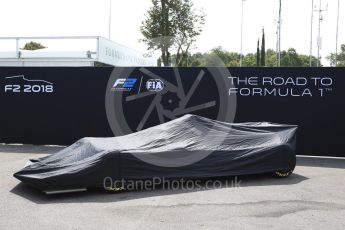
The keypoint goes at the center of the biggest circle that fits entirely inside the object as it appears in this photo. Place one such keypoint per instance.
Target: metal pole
(17, 48)
(109, 36)
(241, 58)
(279, 31)
(319, 33)
(311, 33)
(336, 40)
(319, 36)
(277, 47)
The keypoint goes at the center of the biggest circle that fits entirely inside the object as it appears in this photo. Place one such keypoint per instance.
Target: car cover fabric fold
(187, 147)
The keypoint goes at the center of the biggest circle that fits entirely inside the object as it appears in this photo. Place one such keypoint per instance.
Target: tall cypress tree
(258, 54)
(263, 49)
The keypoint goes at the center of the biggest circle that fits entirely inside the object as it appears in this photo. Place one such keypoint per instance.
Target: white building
(70, 51)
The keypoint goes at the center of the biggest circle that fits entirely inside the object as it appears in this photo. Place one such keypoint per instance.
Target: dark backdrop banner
(59, 105)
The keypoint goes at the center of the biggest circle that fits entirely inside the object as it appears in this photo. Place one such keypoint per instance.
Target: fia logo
(124, 84)
(155, 85)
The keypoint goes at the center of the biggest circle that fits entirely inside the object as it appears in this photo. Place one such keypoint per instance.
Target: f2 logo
(124, 84)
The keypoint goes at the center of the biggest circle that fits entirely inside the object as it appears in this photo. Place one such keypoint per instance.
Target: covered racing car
(188, 147)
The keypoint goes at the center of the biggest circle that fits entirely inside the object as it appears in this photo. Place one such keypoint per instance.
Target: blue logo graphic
(124, 84)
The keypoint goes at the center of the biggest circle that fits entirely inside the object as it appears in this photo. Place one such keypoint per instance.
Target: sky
(222, 27)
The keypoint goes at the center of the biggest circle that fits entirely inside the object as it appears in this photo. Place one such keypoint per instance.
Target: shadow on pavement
(100, 195)
(23, 148)
(329, 162)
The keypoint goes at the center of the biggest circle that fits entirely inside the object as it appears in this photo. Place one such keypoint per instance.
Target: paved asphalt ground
(312, 198)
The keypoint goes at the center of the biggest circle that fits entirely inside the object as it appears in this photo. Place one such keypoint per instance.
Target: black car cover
(187, 147)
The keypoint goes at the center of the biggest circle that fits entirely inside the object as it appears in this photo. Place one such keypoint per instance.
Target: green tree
(258, 54)
(340, 57)
(249, 60)
(263, 49)
(218, 57)
(229, 58)
(271, 58)
(293, 59)
(172, 24)
(210, 59)
(195, 59)
(306, 60)
(159, 62)
(33, 46)
(290, 58)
